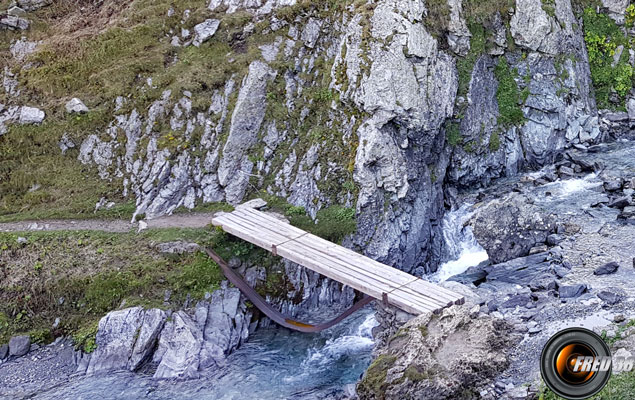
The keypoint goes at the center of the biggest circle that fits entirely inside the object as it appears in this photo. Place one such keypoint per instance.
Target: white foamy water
(360, 340)
(462, 246)
(568, 187)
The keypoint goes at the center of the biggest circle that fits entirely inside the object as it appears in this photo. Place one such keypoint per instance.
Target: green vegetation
(508, 96)
(374, 380)
(629, 16)
(494, 141)
(618, 333)
(413, 374)
(453, 133)
(619, 387)
(438, 18)
(84, 337)
(602, 37)
(332, 223)
(38, 182)
(82, 275)
(465, 65)
(550, 7)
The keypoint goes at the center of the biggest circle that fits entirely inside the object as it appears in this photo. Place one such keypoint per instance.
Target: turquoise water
(274, 364)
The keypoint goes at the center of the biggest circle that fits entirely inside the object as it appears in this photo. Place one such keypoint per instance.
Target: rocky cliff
(375, 105)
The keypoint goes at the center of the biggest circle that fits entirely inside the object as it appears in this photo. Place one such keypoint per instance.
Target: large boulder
(510, 227)
(125, 339)
(439, 357)
(179, 348)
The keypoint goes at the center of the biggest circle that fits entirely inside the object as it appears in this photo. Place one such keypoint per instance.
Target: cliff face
(379, 106)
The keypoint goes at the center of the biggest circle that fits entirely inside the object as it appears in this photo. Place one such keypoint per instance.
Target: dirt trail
(190, 220)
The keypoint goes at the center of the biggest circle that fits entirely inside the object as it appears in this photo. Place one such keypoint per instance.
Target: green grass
(494, 142)
(453, 133)
(465, 65)
(508, 96)
(332, 223)
(94, 272)
(619, 387)
(30, 156)
(373, 383)
(602, 36)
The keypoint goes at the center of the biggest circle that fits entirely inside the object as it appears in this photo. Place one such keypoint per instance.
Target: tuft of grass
(494, 142)
(465, 65)
(508, 96)
(453, 133)
(85, 337)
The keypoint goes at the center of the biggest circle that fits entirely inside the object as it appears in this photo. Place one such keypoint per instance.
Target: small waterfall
(462, 248)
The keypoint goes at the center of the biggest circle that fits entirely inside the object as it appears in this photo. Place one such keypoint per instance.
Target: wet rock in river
(613, 185)
(509, 228)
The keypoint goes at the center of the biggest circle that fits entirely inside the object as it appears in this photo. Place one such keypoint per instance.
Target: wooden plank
(350, 275)
(362, 273)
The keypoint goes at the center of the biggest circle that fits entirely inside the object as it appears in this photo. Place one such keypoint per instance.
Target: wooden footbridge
(392, 286)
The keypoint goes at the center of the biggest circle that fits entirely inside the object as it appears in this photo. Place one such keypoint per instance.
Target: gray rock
(13, 22)
(554, 239)
(204, 31)
(16, 11)
(33, 5)
(402, 367)
(616, 9)
(30, 115)
(519, 300)
(613, 185)
(147, 336)
(572, 291)
(530, 24)
(179, 348)
(19, 345)
(178, 247)
(606, 269)
(21, 48)
(631, 109)
(620, 116)
(4, 351)
(610, 298)
(509, 228)
(115, 339)
(75, 105)
(235, 168)
(565, 171)
(66, 144)
(620, 202)
(311, 32)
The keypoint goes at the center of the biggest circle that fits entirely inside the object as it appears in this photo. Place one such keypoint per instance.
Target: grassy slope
(97, 54)
(94, 272)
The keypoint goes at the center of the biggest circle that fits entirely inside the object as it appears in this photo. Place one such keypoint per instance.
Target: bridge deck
(375, 279)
